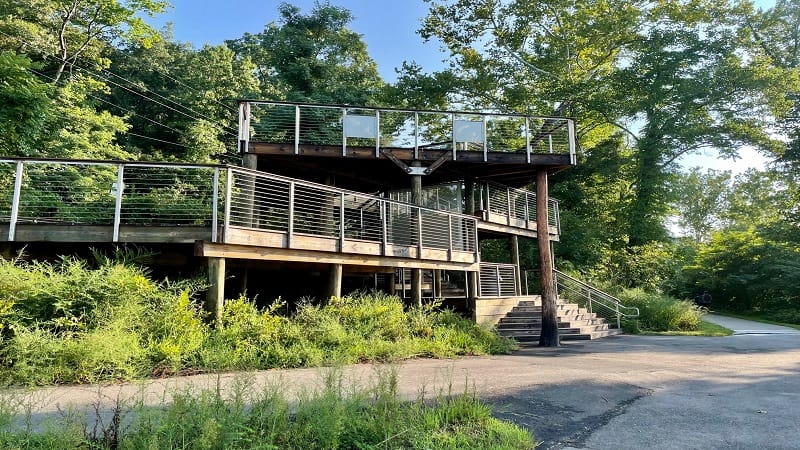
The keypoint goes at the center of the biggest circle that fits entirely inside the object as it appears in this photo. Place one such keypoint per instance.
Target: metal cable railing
(114, 194)
(503, 204)
(348, 126)
(594, 300)
(262, 201)
(497, 280)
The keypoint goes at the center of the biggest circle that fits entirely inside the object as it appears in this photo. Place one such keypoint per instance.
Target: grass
(704, 329)
(248, 417)
(76, 322)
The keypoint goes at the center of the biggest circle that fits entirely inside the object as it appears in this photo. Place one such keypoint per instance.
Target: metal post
(485, 142)
(290, 225)
(497, 277)
(12, 226)
(527, 210)
(227, 218)
(384, 226)
(453, 130)
(589, 302)
(377, 133)
(341, 223)
(619, 320)
(419, 233)
(449, 237)
(344, 132)
(571, 138)
(118, 203)
(508, 206)
(296, 129)
(527, 140)
(416, 136)
(215, 206)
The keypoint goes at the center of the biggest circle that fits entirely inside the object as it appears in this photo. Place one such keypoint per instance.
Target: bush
(71, 323)
(660, 312)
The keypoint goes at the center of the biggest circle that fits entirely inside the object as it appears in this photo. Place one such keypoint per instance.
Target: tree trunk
(549, 334)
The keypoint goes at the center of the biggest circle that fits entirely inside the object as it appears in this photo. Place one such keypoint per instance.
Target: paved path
(741, 326)
(623, 392)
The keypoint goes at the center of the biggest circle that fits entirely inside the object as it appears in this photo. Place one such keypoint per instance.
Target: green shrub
(68, 322)
(659, 312)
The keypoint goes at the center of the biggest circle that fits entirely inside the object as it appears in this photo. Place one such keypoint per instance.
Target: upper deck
(373, 148)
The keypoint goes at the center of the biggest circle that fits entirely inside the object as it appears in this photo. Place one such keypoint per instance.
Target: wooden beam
(549, 334)
(233, 251)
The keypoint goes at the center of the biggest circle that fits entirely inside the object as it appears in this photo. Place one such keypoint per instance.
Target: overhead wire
(230, 131)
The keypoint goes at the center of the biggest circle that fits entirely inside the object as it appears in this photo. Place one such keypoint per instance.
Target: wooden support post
(549, 333)
(215, 300)
(250, 161)
(513, 244)
(437, 283)
(472, 277)
(416, 274)
(393, 283)
(335, 281)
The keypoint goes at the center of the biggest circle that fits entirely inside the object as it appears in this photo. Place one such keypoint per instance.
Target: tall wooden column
(549, 334)
(513, 246)
(215, 297)
(416, 274)
(472, 277)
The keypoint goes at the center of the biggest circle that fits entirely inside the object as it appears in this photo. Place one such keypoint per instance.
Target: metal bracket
(416, 170)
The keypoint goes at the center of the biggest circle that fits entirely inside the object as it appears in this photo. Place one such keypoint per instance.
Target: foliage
(25, 101)
(660, 312)
(69, 322)
(748, 271)
(249, 416)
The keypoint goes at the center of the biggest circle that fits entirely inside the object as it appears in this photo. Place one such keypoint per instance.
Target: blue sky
(389, 28)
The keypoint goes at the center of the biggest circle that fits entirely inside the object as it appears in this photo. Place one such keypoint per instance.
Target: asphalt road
(623, 392)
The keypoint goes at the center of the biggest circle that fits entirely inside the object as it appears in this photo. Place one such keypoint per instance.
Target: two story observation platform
(384, 195)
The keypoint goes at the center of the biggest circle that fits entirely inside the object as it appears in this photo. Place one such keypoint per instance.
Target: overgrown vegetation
(658, 312)
(331, 417)
(71, 323)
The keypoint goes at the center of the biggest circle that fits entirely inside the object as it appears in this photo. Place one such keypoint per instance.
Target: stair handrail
(595, 297)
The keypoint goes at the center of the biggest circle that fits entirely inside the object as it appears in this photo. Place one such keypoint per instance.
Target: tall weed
(658, 312)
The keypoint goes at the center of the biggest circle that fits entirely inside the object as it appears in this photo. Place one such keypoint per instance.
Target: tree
(312, 58)
(701, 201)
(26, 105)
(68, 31)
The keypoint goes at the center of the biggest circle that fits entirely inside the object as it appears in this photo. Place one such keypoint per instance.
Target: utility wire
(223, 128)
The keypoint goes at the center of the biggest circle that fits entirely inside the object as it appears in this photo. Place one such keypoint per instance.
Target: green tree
(26, 105)
(701, 201)
(67, 32)
(312, 58)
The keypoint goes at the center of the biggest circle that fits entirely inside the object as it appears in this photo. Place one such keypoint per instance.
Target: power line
(222, 128)
(191, 88)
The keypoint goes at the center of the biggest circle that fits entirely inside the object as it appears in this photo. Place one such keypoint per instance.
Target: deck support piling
(335, 281)
(416, 274)
(513, 244)
(549, 333)
(215, 299)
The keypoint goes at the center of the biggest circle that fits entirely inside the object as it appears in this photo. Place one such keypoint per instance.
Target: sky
(389, 28)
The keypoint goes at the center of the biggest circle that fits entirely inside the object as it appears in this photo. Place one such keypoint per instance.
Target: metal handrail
(595, 300)
(346, 125)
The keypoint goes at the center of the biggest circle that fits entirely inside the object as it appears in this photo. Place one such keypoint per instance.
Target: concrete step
(532, 339)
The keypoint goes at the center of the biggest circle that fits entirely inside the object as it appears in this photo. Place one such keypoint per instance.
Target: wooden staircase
(524, 323)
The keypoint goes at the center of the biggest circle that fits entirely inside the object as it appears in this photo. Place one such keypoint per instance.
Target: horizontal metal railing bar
(402, 110)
